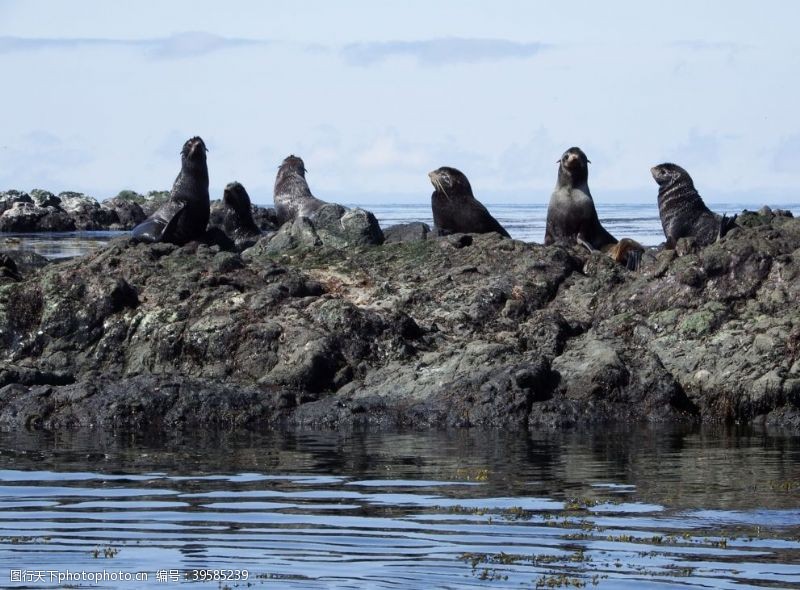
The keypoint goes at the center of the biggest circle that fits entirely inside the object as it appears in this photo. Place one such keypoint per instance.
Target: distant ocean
(526, 222)
(523, 222)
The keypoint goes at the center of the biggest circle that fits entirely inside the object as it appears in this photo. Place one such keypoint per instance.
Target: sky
(99, 96)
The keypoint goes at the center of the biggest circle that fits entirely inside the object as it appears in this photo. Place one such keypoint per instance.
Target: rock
(217, 213)
(9, 198)
(299, 233)
(153, 200)
(128, 211)
(27, 217)
(42, 211)
(590, 369)
(86, 212)
(338, 227)
(265, 217)
(406, 232)
(461, 330)
(131, 196)
(26, 261)
(43, 198)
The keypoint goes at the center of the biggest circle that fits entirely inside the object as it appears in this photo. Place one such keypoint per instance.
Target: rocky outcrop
(462, 330)
(406, 232)
(330, 226)
(42, 211)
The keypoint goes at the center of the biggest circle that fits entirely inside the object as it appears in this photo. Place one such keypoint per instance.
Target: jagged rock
(444, 331)
(406, 232)
(27, 217)
(86, 212)
(9, 198)
(153, 200)
(265, 217)
(298, 233)
(338, 227)
(42, 198)
(128, 211)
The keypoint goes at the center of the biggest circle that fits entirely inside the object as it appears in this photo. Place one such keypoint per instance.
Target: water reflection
(678, 466)
(453, 509)
(57, 245)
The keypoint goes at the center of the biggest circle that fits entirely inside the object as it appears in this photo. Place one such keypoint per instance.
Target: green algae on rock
(464, 330)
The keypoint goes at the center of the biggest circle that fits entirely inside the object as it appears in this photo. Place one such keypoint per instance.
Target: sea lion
(238, 222)
(237, 201)
(572, 217)
(184, 216)
(292, 196)
(455, 209)
(683, 212)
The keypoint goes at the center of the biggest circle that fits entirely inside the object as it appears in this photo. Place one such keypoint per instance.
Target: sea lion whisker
(437, 184)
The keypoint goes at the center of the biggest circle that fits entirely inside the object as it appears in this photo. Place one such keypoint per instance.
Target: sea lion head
(450, 181)
(235, 197)
(293, 163)
(667, 173)
(194, 151)
(574, 165)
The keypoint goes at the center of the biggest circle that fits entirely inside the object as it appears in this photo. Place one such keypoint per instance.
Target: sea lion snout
(440, 177)
(573, 160)
(196, 146)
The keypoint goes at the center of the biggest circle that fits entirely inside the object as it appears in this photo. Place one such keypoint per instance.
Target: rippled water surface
(644, 508)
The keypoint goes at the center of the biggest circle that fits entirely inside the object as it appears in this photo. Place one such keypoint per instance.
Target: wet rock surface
(464, 330)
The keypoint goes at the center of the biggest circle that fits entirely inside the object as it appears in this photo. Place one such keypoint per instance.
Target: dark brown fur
(455, 209)
(292, 196)
(682, 211)
(571, 214)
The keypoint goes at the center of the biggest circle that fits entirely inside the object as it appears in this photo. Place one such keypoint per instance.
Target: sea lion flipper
(176, 211)
(150, 230)
(161, 225)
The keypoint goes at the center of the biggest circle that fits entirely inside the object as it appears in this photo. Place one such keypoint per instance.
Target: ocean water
(639, 221)
(639, 508)
(523, 222)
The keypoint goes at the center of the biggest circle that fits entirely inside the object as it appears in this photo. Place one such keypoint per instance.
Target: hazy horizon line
(535, 199)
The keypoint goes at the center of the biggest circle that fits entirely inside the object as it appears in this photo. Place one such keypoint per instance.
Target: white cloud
(388, 151)
(180, 45)
(440, 51)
